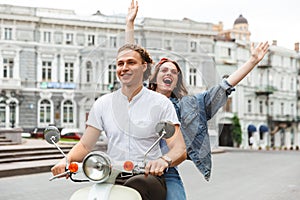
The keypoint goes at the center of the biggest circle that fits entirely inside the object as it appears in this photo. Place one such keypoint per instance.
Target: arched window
(2, 113)
(12, 113)
(112, 71)
(68, 112)
(45, 111)
(89, 72)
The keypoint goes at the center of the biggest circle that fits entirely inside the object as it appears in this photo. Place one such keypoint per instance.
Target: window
(292, 110)
(8, 33)
(249, 106)
(261, 110)
(292, 84)
(89, 71)
(271, 108)
(229, 52)
(2, 113)
(47, 37)
(69, 38)
(12, 113)
(260, 78)
(91, 40)
(69, 72)
(113, 42)
(193, 77)
(102, 41)
(167, 44)
(291, 62)
(193, 46)
(46, 70)
(68, 112)
(282, 83)
(111, 73)
(282, 108)
(45, 111)
(8, 67)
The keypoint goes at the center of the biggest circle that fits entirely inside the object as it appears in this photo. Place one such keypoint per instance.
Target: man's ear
(145, 66)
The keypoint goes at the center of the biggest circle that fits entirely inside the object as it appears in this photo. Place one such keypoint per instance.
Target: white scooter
(100, 169)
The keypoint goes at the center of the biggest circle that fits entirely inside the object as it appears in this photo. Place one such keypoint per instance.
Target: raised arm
(131, 15)
(257, 54)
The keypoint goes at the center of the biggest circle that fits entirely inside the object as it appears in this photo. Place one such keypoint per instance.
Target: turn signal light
(73, 167)
(128, 165)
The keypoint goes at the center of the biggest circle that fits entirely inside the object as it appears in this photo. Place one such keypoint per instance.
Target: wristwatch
(167, 159)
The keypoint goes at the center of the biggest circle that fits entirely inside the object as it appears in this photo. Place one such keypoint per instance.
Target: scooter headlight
(97, 166)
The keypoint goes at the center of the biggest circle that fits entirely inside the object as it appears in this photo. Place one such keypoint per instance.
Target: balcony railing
(10, 83)
(265, 90)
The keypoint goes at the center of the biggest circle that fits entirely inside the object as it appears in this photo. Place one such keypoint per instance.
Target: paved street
(237, 175)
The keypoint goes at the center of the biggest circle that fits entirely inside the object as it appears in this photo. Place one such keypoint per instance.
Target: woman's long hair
(180, 89)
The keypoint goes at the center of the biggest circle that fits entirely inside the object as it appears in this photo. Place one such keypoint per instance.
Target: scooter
(97, 167)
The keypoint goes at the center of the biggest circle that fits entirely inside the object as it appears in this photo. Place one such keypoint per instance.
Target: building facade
(266, 99)
(54, 64)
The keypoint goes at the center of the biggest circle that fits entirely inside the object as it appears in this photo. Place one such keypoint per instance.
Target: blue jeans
(175, 189)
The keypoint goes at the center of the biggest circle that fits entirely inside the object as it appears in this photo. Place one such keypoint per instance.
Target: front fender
(106, 192)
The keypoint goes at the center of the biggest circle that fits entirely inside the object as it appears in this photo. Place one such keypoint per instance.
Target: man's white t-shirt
(130, 126)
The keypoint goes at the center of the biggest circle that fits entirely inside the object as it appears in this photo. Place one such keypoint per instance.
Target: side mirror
(165, 129)
(51, 134)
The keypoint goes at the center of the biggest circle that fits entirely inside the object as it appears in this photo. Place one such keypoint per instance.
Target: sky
(268, 20)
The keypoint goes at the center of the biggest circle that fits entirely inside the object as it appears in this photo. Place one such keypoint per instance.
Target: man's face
(130, 68)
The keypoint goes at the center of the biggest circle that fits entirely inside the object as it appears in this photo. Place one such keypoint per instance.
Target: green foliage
(236, 130)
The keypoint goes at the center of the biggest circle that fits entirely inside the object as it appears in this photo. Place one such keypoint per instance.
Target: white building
(54, 64)
(266, 100)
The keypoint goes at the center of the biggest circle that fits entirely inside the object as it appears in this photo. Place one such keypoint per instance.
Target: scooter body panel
(106, 191)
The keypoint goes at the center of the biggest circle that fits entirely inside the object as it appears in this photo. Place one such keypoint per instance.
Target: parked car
(37, 132)
(68, 133)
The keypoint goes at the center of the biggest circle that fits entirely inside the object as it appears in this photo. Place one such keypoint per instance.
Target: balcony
(265, 90)
(11, 83)
(264, 65)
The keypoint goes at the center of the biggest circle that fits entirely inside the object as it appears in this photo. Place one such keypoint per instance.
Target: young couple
(129, 115)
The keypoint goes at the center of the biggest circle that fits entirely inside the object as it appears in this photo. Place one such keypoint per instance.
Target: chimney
(297, 47)
(274, 42)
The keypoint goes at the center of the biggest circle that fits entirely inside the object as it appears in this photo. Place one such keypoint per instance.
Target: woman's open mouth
(167, 81)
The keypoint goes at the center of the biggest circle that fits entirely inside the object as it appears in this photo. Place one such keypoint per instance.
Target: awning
(263, 129)
(251, 128)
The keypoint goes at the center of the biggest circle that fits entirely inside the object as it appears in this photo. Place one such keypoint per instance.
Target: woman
(192, 111)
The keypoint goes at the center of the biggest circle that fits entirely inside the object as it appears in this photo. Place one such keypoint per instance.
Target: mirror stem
(155, 143)
(53, 141)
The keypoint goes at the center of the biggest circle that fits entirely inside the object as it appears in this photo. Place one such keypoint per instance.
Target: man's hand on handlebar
(156, 167)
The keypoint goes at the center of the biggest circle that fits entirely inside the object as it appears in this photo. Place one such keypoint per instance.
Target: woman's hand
(259, 51)
(132, 12)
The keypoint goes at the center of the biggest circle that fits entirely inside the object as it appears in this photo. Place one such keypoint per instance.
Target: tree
(236, 130)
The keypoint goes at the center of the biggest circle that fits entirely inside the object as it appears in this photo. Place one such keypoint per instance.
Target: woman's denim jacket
(193, 112)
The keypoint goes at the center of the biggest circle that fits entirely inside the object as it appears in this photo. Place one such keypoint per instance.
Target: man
(129, 116)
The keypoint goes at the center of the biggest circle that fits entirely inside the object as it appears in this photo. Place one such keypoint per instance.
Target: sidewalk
(27, 143)
(38, 166)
